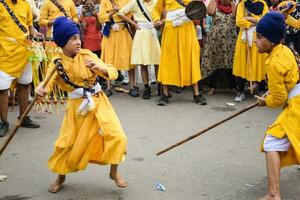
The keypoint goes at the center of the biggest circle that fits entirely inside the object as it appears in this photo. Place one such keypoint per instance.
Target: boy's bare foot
(119, 180)
(271, 197)
(211, 92)
(58, 184)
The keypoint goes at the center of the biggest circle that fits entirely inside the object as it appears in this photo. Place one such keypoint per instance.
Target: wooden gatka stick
(208, 128)
(29, 107)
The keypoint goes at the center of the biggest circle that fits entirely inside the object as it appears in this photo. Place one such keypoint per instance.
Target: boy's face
(263, 44)
(73, 46)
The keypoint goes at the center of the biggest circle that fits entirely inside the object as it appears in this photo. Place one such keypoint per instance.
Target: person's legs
(273, 171)
(213, 81)
(3, 105)
(241, 87)
(23, 93)
(134, 92)
(164, 99)
(198, 98)
(145, 78)
(58, 184)
(116, 176)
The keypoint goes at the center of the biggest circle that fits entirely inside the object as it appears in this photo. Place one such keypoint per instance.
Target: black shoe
(3, 128)
(147, 93)
(28, 123)
(163, 101)
(108, 92)
(134, 92)
(200, 100)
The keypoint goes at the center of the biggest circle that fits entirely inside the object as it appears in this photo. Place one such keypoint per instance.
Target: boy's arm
(278, 94)
(293, 22)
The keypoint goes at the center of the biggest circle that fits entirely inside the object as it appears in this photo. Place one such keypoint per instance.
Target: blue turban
(63, 30)
(272, 26)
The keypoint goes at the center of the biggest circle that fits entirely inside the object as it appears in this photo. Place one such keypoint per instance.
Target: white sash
(295, 91)
(177, 17)
(88, 103)
(250, 31)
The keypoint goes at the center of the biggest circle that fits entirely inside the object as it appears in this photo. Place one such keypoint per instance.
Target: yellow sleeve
(240, 21)
(127, 8)
(74, 12)
(44, 14)
(111, 70)
(293, 22)
(278, 92)
(103, 16)
(29, 16)
(157, 10)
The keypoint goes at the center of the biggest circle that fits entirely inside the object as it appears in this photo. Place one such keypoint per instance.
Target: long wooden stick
(208, 128)
(29, 107)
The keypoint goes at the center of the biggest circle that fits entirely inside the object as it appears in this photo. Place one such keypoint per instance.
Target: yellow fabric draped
(180, 51)
(49, 11)
(13, 45)
(240, 67)
(282, 73)
(116, 49)
(96, 138)
(293, 22)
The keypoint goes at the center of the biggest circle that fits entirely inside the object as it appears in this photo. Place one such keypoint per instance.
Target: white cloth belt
(88, 103)
(295, 91)
(250, 33)
(147, 25)
(177, 17)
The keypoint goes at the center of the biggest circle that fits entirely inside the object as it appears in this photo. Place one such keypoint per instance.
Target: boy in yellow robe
(14, 58)
(180, 51)
(282, 140)
(91, 131)
(49, 12)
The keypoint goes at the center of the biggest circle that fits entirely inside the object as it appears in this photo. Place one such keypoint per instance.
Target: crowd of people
(100, 41)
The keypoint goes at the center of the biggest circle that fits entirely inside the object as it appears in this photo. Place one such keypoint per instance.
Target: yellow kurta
(240, 69)
(180, 56)
(13, 45)
(282, 73)
(145, 47)
(116, 49)
(293, 22)
(96, 138)
(49, 11)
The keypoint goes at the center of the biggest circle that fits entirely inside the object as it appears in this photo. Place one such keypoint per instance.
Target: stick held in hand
(208, 128)
(29, 107)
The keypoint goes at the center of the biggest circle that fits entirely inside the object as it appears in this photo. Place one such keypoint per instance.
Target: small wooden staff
(29, 107)
(208, 128)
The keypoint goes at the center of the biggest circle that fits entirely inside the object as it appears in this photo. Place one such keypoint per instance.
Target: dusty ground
(223, 164)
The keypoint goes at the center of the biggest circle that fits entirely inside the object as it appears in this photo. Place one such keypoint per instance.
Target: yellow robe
(116, 49)
(96, 138)
(240, 68)
(180, 51)
(293, 22)
(13, 45)
(282, 73)
(50, 11)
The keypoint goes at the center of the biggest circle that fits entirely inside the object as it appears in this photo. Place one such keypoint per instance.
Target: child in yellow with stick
(91, 131)
(282, 140)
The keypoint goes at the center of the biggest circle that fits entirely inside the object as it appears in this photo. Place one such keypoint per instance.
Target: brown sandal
(55, 188)
(120, 183)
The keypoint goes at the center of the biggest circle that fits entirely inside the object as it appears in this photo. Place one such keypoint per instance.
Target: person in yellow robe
(248, 64)
(91, 131)
(116, 43)
(49, 12)
(145, 47)
(180, 56)
(282, 139)
(14, 58)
